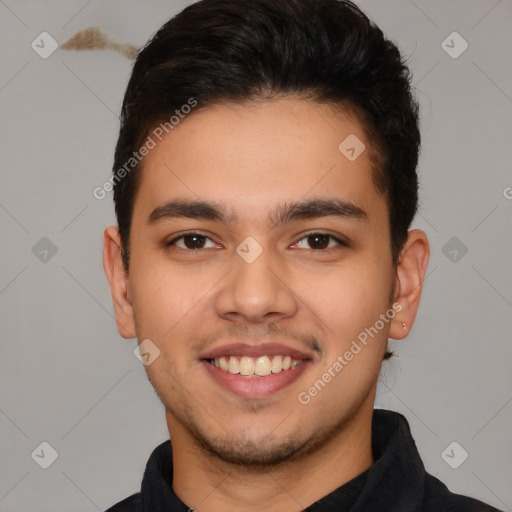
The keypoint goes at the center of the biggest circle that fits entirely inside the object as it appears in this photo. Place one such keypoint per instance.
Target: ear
(410, 274)
(118, 281)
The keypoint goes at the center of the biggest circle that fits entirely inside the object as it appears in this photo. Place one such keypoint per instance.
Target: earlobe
(118, 281)
(410, 274)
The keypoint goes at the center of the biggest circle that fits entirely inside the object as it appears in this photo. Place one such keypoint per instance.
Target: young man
(264, 183)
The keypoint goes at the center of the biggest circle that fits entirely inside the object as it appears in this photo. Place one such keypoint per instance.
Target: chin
(254, 454)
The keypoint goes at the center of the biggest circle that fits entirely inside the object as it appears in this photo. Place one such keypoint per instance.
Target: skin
(250, 159)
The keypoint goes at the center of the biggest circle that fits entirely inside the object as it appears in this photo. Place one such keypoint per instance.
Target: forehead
(253, 156)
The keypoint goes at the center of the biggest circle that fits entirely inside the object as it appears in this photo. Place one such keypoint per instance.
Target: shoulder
(439, 498)
(131, 504)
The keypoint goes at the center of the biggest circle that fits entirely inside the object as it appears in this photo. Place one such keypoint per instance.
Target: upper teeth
(261, 366)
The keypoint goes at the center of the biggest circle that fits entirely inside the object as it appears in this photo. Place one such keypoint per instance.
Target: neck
(205, 483)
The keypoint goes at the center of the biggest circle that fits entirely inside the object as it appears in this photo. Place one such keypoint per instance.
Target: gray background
(69, 379)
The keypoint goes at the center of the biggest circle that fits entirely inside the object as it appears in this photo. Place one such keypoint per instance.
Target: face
(256, 246)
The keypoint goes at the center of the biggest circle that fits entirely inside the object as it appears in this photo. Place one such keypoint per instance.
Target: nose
(256, 292)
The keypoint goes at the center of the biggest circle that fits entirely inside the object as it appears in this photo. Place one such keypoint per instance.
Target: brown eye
(192, 241)
(319, 241)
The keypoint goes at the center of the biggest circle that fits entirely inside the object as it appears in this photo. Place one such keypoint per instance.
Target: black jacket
(397, 481)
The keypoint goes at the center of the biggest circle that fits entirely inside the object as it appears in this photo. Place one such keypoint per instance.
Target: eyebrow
(286, 213)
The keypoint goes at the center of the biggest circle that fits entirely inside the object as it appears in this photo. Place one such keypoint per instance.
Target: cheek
(350, 303)
(163, 297)
(347, 299)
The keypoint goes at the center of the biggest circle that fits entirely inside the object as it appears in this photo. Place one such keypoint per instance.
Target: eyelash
(342, 243)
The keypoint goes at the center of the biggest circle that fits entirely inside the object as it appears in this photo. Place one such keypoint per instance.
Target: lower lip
(254, 386)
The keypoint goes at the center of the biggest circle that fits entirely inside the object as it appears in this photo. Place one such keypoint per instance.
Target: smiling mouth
(255, 366)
